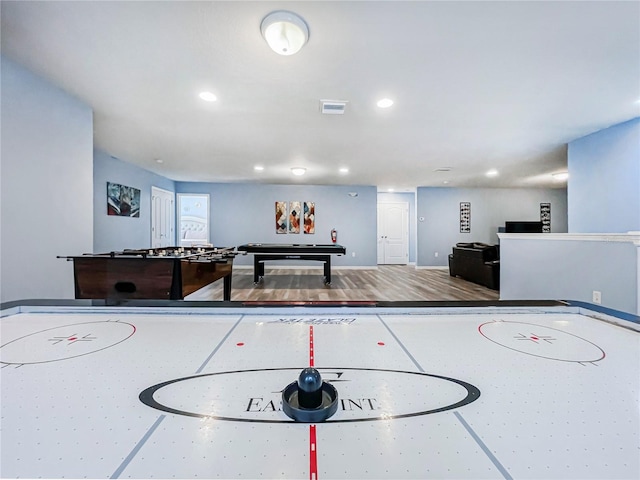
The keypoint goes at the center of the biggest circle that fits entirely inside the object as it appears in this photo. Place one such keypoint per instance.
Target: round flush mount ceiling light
(285, 32)
(561, 176)
(384, 103)
(492, 173)
(258, 168)
(344, 170)
(208, 96)
(297, 171)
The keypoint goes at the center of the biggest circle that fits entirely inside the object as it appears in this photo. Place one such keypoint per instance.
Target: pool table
(263, 252)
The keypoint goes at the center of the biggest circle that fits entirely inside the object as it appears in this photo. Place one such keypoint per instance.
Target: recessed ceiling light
(208, 96)
(159, 160)
(384, 103)
(298, 171)
(344, 170)
(561, 176)
(258, 168)
(446, 182)
(390, 190)
(492, 173)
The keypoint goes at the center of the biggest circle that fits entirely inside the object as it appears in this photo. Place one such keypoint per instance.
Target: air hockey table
(146, 389)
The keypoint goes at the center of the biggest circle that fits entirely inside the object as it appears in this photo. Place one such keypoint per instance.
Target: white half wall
(46, 206)
(571, 267)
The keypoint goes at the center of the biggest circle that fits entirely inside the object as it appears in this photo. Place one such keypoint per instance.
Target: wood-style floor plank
(387, 283)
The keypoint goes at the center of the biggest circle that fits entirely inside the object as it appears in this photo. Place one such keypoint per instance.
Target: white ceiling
(476, 85)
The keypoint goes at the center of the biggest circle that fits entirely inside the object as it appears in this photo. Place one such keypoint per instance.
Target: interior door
(393, 233)
(162, 218)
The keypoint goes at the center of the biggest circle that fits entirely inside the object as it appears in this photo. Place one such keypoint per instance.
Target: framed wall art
(309, 217)
(294, 217)
(281, 217)
(123, 201)
(545, 217)
(465, 217)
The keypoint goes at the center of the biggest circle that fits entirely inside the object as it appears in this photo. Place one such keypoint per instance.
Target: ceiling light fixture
(208, 96)
(258, 168)
(561, 176)
(298, 171)
(344, 170)
(285, 32)
(492, 173)
(385, 103)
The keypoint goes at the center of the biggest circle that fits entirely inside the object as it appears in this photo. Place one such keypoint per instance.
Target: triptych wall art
(295, 215)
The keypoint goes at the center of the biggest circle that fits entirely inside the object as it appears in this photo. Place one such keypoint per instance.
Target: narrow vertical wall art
(294, 217)
(545, 217)
(309, 217)
(465, 217)
(281, 217)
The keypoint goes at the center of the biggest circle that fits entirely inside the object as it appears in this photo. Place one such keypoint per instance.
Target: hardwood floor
(387, 283)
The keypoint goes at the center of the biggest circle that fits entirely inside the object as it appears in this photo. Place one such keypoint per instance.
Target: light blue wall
(490, 208)
(46, 185)
(570, 270)
(113, 232)
(604, 180)
(245, 213)
(409, 198)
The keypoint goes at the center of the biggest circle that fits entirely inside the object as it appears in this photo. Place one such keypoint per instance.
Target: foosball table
(169, 273)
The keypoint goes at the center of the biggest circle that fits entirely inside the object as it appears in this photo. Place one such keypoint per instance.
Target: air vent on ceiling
(333, 107)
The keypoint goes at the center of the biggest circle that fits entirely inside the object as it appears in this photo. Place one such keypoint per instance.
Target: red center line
(313, 456)
(311, 363)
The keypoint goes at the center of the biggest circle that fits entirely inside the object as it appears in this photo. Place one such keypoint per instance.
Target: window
(193, 218)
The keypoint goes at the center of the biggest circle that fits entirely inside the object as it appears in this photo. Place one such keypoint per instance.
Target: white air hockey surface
(456, 393)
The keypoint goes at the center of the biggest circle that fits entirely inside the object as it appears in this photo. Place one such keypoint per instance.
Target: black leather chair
(476, 262)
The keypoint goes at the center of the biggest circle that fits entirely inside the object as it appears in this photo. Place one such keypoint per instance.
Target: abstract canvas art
(309, 217)
(281, 217)
(294, 217)
(123, 201)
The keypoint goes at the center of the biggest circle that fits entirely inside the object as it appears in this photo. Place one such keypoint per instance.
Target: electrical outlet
(353, 254)
(435, 254)
(597, 297)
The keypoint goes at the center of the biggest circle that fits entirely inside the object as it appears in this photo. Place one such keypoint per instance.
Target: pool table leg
(327, 270)
(226, 289)
(258, 269)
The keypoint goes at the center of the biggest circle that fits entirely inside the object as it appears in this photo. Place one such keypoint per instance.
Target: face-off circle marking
(541, 341)
(65, 342)
(365, 394)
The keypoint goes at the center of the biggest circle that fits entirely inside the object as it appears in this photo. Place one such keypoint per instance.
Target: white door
(393, 233)
(162, 218)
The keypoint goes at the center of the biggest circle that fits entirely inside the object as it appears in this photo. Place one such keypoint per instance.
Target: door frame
(405, 233)
(171, 237)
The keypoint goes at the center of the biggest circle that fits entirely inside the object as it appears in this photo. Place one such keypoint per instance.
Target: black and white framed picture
(545, 217)
(465, 217)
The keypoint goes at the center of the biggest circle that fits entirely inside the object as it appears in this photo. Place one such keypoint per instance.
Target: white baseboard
(432, 267)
